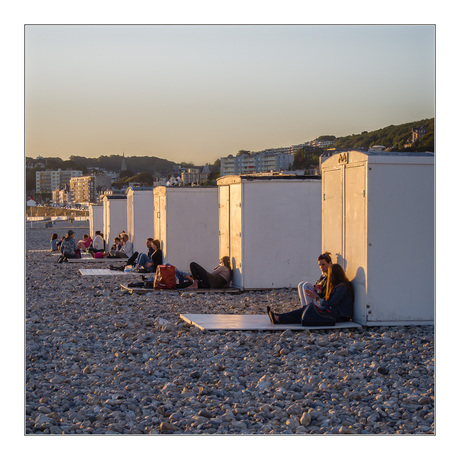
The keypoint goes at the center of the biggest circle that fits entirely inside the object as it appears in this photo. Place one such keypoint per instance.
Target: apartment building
(321, 144)
(256, 162)
(60, 196)
(86, 189)
(47, 181)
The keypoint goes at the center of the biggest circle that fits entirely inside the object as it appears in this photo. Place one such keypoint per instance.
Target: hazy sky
(197, 93)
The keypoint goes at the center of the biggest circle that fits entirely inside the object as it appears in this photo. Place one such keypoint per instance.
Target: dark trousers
(184, 284)
(132, 259)
(201, 275)
(308, 315)
(93, 251)
(292, 317)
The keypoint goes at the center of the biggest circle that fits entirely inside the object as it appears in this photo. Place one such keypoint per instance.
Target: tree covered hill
(136, 164)
(153, 165)
(393, 137)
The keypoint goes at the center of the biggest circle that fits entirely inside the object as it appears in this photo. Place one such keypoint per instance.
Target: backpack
(165, 277)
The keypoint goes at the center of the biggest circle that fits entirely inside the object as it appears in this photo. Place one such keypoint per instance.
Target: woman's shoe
(271, 315)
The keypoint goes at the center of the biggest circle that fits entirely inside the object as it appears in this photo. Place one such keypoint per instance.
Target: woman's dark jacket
(340, 302)
(157, 259)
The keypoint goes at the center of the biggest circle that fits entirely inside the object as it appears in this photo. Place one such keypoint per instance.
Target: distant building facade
(195, 175)
(86, 189)
(47, 181)
(417, 134)
(320, 144)
(60, 196)
(257, 162)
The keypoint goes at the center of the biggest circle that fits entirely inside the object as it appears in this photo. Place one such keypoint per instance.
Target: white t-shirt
(128, 248)
(98, 242)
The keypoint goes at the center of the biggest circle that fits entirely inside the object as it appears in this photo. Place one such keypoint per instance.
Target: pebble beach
(99, 360)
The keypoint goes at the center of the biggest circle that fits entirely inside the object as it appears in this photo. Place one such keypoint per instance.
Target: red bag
(165, 277)
(98, 255)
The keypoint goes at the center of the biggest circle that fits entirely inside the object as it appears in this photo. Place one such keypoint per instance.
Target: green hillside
(393, 137)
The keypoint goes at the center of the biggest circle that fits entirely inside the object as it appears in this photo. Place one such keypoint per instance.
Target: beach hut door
(224, 221)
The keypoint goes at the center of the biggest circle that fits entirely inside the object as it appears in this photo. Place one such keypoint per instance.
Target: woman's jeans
(201, 275)
(144, 259)
(304, 299)
(295, 316)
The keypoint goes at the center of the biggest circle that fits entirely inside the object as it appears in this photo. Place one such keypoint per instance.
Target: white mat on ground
(94, 259)
(103, 272)
(250, 322)
(139, 290)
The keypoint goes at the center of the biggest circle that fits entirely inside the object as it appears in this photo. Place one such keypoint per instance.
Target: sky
(196, 93)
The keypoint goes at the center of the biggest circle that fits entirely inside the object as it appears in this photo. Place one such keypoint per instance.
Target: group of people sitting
(328, 301)
(147, 262)
(197, 278)
(69, 247)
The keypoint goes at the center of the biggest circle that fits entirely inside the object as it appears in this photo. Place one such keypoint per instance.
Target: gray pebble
(99, 361)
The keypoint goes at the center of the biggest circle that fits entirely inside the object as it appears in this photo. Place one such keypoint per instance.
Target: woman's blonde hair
(335, 276)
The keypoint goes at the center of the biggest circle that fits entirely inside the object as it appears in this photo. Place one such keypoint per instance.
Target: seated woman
(55, 242)
(84, 243)
(68, 248)
(336, 306)
(219, 278)
(122, 249)
(324, 262)
(98, 244)
(116, 246)
(150, 261)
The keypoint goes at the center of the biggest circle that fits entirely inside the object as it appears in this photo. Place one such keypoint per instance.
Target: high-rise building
(86, 189)
(256, 162)
(47, 181)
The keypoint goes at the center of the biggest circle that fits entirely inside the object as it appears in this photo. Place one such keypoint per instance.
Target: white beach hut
(378, 222)
(186, 221)
(96, 219)
(270, 226)
(139, 208)
(114, 217)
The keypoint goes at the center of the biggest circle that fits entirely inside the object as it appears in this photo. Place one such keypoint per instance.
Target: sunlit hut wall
(114, 216)
(96, 218)
(270, 226)
(186, 221)
(378, 222)
(139, 216)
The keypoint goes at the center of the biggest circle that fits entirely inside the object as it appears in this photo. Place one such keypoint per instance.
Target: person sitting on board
(133, 259)
(324, 262)
(55, 242)
(219, 278)
(336, 306)
(116, 246)
(146, 263)
(84, 243)
(98, 244)
(125, 251)
(68, 248)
